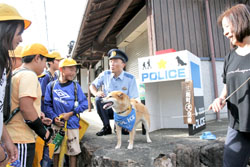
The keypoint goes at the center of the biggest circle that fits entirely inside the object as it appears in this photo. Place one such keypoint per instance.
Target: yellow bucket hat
(17, 52)
(8, 12)
(36, 49)
(57, 55)
(68, 62)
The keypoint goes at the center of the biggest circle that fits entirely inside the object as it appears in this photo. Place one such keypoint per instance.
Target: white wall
(164, 102)
(84, 79)
(209, 87)
(136, 49)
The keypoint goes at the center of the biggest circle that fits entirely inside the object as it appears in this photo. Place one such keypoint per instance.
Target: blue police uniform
(125, 82)
(44, 82)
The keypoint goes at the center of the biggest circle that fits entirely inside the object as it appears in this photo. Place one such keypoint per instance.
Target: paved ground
(219, 128)
(100, 150)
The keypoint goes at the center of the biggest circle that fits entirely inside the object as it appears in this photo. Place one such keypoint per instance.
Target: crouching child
(64, 98)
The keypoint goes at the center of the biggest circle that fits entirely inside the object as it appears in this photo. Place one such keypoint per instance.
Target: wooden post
(89, 94)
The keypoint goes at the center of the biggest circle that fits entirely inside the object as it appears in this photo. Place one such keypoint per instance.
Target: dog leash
(182, 116)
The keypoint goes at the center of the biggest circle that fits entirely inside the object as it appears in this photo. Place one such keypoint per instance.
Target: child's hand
(58, 122)
(45, 120)
(66, 116)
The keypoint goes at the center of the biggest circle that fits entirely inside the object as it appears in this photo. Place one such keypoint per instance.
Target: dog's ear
(120, 94)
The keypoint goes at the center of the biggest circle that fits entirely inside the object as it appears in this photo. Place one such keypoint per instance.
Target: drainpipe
(211, 43)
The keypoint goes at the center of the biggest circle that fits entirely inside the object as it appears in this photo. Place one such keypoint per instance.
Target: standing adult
(12, 25)
(115, 79)
(236, 26)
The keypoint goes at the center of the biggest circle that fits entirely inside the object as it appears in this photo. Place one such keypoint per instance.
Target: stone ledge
(169, 148)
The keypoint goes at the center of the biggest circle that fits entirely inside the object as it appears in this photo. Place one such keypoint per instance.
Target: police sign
(163, 68)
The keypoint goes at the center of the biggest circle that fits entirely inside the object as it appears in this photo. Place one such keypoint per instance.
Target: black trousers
(105, 115)
(236, 149)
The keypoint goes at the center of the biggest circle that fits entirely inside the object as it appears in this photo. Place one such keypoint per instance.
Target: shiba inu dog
(127, 114)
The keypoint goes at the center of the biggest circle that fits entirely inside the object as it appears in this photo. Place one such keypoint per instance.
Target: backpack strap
(76, 103)
(51, 92)
(20, 70)
(15, 111)
(75, 93)
(9, 117)
(50, 76)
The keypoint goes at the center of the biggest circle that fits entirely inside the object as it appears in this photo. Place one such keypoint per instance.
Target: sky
(54, 22)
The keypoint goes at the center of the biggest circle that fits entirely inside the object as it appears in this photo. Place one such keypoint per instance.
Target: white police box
(162, 76)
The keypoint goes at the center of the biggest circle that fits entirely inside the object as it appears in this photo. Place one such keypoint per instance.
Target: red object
(165, 51)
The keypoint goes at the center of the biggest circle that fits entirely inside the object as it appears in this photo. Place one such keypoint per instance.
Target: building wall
(84, 79)
(137, 48)
(206, 69)
(181, 24)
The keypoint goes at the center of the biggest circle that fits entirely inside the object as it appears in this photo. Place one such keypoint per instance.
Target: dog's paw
(130, 146)
(117, 147)
(149, 141)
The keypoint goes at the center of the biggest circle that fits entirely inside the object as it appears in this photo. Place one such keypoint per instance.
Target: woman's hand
(217, 104)
(12, 151)
(4, 157)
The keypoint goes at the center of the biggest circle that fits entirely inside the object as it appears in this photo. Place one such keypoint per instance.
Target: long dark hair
(7, 32)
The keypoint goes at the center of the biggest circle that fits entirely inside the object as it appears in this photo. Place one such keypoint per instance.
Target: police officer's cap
(117, 54)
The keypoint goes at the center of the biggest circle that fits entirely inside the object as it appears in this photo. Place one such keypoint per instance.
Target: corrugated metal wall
(181, 24)
(137, 48)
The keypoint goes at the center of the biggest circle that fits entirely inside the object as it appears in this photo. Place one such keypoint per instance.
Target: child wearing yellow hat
(64, 98)
(26, 102)
(12, 25)
(50, 74)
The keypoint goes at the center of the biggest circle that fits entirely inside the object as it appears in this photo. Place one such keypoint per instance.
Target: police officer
(114, 79)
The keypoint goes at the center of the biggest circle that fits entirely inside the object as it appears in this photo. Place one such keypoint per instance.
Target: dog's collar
(129, 108)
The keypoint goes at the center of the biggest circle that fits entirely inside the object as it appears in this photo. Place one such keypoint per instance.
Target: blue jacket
(44, 81)
(63, 102)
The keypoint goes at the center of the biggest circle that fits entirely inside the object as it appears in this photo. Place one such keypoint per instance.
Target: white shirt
(3, 81)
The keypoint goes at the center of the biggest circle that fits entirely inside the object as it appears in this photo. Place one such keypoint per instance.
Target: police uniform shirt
(125, 82)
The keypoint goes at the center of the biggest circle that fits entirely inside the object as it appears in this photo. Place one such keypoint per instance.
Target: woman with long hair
(12, 25)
